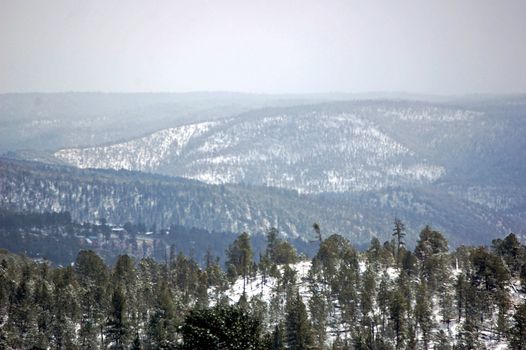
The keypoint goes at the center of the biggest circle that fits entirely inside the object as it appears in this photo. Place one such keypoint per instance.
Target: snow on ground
(255, 287)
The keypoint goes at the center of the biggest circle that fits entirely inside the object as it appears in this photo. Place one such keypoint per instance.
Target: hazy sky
(442, 46)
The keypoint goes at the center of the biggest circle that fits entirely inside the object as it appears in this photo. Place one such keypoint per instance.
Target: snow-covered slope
(309, 150)
(145, 154)
(268, 290)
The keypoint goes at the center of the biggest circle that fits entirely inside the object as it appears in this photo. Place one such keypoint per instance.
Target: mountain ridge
(124, 196)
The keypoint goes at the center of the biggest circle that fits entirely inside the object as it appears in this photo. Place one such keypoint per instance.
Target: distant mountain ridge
(353, 166)
(122, 196)
(334, 147)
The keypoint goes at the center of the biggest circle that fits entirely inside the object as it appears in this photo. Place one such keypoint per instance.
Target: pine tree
(117, 328)
(423, 313)
(513, 252)
(367, 297)
(374, 251)
(397, 310)
(399, 234)
(239, 258)
(383, 300)
(65, 308)
(277, 338)
(93, 279)
(43, 305)
(431, 250)
(348, 281)
(317, 231)
(317, 305)
(442, 341)
(503, 305)
(460, 295)
(22, 326)
(162, 324)
(221, 327)
(298, 327)
(518, 330)
(278, 250)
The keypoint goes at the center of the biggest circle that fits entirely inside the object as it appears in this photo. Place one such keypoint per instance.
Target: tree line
(386, 297)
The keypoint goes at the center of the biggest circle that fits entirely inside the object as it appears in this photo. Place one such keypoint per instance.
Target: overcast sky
(442, 46)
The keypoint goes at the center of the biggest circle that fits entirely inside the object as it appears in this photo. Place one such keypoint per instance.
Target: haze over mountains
(458, 165)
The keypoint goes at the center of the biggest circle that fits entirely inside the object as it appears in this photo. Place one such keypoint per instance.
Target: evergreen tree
(513, 252)
(65, 308)
(423, 313)
(117, 330)
(317, 231)
(367, 297)
(93, 279)
(278, 250)
(518, 330)
(374, 251)
(317, 305)
(162, 325)
(277, 338)
(221, 327)
(397, 310)
(22, 326)
(239, 258)
(298, 328)
(430, 250)
(503, 306)
(399, 234)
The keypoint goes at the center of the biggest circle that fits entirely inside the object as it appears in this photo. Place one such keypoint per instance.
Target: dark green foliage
(221, 327)
(513, 252)
(331, 252)
(239, 257)
(423, 313)
(92, 275)
(117, 326)
(398, 314)
(297, 324)
(276, 339)
(430, 250)
(363, 299)
(399, 234)
(518, 329)
(162, 327)
(489, 270)
(278, 250)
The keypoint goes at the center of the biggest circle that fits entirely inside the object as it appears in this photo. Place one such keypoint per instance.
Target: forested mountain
(386, 297)
(334, 147)
(464, 158)
(124, 196)
(48, 121)
(457, 164)
(57, 239)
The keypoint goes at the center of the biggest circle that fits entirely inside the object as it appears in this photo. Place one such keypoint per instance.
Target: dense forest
(385, 297)
(57, 238)
(125, 196)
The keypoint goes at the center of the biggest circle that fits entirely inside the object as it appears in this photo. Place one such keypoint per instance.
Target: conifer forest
(262, 175)
(387, 296)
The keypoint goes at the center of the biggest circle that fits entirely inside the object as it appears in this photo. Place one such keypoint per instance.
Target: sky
(271, 46)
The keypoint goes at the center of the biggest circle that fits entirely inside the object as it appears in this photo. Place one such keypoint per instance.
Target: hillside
(332, 147)
(124, 196)
(382, 298)
(467, 156)
(49, 121)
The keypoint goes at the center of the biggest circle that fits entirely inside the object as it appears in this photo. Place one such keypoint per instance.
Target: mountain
(49, 121)
(333, 147)
(126, 196)
(352, 166)
(467, 154)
